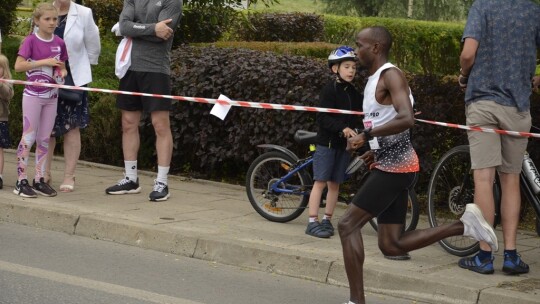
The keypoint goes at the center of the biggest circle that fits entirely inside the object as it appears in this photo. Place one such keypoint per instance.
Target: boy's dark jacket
(343, 96)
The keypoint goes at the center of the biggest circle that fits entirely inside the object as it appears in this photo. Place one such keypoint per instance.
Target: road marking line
(92, 284)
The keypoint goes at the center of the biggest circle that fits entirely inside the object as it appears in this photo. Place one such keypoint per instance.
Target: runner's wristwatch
(367, 134)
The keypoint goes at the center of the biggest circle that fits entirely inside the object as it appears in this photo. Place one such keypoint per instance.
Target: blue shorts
(330, 164)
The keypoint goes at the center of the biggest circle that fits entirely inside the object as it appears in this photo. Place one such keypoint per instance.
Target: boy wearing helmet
(330, 160)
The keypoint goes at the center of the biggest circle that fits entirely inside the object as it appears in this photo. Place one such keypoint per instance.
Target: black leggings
(385, 195)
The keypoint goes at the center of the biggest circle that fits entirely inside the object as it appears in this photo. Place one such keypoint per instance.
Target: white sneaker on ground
(476, 226)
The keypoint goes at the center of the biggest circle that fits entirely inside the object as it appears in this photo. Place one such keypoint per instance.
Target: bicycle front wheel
(451, 187)
(276, 206)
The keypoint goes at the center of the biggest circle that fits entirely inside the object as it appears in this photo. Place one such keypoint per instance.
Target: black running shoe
(22, 188)
(124, 186)
(327, 224)
(160, 192)
(1, 183)
(43, 188)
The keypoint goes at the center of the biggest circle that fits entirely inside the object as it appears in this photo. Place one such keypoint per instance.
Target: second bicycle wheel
(451, 187)
(265, 171)
(411, 218)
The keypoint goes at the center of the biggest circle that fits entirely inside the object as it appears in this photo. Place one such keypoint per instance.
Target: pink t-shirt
(35, 48)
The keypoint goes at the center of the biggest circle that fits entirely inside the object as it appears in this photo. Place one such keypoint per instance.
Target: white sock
(351, 302)
(131, 169)
(313, 219)
(162, 174)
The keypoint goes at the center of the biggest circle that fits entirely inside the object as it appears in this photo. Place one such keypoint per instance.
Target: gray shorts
(505, 152)
(330, 164)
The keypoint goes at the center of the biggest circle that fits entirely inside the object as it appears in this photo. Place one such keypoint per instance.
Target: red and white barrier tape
(247, 104)
(261, 105)
(480, 129)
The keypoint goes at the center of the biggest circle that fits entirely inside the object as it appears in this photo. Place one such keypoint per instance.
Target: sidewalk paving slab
(215, 222)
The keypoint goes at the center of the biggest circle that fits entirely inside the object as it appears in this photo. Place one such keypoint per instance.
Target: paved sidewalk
(215, 221)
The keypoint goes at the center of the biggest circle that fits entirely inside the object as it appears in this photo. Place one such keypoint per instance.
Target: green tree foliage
(8, 15)
(435, 10)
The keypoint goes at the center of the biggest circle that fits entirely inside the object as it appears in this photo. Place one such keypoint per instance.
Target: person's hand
(368, 158)
(52, 62)
(163, 31)
(536, 84)
(348, 132)
(356, 141)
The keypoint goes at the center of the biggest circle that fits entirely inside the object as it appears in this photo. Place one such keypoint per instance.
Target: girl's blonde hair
(39, 11)
(4, 64)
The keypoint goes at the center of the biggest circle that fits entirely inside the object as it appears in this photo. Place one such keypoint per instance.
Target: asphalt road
(41, 267)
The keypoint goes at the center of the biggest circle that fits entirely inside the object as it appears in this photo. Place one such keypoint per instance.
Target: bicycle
(451, 187)
(278, 184)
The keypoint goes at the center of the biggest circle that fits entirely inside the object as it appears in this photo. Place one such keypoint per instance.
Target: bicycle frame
(531, 196)
(291, 189)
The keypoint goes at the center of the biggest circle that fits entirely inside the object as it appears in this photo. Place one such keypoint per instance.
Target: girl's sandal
(68, 187)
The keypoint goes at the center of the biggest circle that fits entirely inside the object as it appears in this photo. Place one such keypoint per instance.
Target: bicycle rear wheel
(411, 218)
(274, 206)
(451, 187)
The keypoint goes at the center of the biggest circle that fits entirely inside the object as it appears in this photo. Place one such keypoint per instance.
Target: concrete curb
(35, 216)
(242, 254)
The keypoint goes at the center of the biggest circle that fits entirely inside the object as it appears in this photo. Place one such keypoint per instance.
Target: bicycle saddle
(305, 137)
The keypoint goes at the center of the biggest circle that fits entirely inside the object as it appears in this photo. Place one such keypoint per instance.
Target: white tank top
(393, 153)
(374, 111)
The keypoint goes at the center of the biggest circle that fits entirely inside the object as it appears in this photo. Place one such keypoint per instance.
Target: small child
(331, 159)
(6, 93)
(41, 56)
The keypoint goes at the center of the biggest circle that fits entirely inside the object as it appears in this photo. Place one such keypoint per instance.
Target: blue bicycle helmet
(342, 53)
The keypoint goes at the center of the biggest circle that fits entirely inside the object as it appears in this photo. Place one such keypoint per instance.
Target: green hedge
(419, 46)
(308, 49)
(298, 27)
(422, 47)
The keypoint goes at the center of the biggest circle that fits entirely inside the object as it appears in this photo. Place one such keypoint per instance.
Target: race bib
(373, 143)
